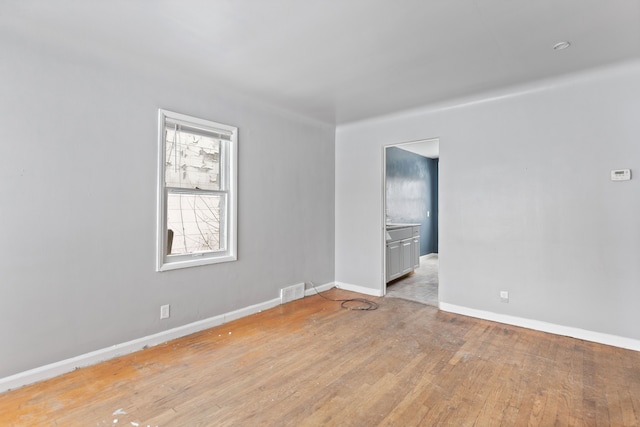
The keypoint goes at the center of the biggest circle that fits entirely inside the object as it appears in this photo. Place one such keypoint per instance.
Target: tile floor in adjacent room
(421, 285)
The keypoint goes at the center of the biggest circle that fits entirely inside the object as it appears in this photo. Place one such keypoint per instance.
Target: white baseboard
(252, 309)
(62, 367)
(320, 288)
(359, 289)
(583, 334)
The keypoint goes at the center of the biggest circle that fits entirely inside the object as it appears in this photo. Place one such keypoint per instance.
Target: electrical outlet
(504, 296)
(164, 311)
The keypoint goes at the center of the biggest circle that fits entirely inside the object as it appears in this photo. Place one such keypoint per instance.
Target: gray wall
(526, 204)
(412, 191)
(78, 205)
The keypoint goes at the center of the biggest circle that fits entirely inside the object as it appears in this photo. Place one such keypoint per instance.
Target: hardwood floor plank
(310, 363)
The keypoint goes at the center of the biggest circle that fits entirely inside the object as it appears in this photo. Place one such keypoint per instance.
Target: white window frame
(230, 162)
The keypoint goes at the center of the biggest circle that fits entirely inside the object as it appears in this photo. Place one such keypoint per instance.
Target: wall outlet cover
(164, 311)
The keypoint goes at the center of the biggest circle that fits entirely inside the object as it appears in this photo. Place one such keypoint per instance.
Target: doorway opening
(411, 220)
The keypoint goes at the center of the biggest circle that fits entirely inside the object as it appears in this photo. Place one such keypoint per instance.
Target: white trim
(384, 201)
(383, 220)
(583, 334)
(360, 289)
(321, 288)
(62, 367)
(195, 262)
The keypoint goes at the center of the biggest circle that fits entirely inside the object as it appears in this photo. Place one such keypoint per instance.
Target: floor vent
(291, 293)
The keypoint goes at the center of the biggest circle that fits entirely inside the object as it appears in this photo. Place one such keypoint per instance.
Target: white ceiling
(341, 60)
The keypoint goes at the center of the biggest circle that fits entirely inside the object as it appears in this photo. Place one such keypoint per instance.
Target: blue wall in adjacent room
(411, 191)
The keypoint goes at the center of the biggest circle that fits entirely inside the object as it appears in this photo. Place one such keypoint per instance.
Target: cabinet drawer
(400, 233)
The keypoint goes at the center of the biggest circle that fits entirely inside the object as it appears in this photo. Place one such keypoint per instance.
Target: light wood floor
(311, 363)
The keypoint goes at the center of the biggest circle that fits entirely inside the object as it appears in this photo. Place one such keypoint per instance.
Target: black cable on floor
(370, 305)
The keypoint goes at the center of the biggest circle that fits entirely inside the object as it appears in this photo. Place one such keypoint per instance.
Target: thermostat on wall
(621, 175)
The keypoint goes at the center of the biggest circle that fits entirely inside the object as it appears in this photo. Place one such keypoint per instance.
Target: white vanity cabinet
(403, 249)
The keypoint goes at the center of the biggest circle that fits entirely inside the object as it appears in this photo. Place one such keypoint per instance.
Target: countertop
(394, 226)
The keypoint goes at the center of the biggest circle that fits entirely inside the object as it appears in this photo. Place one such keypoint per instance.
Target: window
(197, 165)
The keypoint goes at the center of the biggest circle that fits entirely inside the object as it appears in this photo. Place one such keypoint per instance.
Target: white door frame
(383, 218)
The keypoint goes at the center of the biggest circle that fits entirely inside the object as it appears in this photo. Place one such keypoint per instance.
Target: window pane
(192, 160)
(195, 221)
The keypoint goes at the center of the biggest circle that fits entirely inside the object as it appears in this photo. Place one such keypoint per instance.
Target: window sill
(198, 261)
